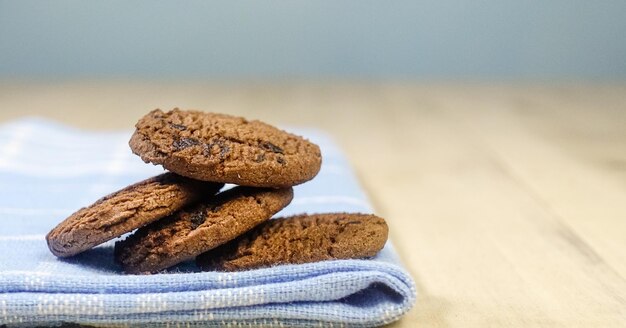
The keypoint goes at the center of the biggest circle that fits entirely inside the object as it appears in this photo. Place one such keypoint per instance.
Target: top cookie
(224, 148)
(126, 210)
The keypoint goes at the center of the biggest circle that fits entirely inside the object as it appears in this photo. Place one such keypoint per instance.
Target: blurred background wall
(320, 39)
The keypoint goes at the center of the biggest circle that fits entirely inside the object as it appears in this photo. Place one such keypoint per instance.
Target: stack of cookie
(182, 215)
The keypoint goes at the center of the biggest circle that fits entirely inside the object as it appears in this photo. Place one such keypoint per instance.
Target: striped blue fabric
(48, 170)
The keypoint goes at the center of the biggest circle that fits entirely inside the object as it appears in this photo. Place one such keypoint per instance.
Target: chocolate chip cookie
(224, 148)
(199, 228)
(300, 239)
(126, 210)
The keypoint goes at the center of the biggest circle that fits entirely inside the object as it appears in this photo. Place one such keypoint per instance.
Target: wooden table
(507, 203)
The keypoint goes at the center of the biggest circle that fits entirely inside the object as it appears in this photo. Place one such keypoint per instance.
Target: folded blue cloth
(48, 171)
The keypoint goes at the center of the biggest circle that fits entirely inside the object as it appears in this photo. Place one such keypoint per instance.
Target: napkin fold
(48, 171)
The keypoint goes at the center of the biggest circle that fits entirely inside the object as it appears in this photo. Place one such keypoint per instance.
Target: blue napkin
(48, 171)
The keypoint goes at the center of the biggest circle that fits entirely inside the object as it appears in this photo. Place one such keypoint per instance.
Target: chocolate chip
(197, 219)
(271, 147)
(259, 158)
(280, 160)
(178, 126)
(183, 143)
(206, 149)
(224, 148)
(159, 239)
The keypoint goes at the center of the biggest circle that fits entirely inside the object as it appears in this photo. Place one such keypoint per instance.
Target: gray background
(318, 39)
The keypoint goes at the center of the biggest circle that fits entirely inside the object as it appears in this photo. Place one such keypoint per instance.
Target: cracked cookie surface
(224, 148)
(125, 210)
(300, 239)
(199, 228)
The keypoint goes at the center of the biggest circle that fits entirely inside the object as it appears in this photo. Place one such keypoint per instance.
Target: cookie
(300, 239)
(199, 228)
(124, 211)
(224, 148)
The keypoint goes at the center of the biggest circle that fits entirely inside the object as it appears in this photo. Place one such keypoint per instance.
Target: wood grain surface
(507, 203)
